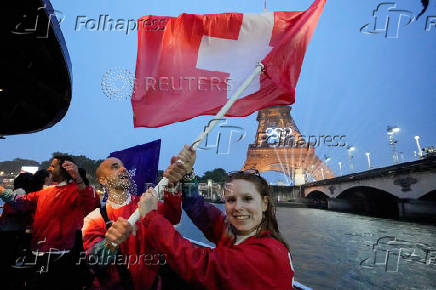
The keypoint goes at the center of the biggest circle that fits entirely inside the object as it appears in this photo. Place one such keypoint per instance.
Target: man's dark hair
(61, 159)
(23, 180)
(38, 179)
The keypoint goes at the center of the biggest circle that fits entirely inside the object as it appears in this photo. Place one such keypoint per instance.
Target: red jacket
(14, 220)
(257, 263)
(143, 262)
(59, 214)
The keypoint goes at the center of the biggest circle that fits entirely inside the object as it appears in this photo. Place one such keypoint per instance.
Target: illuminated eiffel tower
(279, 146)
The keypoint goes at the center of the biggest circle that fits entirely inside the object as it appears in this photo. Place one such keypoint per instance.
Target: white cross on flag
(190, 65)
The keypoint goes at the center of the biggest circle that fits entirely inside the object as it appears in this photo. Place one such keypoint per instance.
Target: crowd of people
(78, 242)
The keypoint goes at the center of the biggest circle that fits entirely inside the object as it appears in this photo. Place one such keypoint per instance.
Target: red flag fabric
(190, 65)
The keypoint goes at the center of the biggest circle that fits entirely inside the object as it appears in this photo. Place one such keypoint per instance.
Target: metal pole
(369, 160)
(391, 130)
(350, 156)
(419, 146)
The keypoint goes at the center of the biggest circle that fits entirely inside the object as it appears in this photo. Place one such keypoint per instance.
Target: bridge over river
(406, 190)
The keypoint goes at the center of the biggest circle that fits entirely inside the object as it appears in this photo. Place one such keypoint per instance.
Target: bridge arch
(371, 201)
(430, 196)
(317, 194)
(319, 198)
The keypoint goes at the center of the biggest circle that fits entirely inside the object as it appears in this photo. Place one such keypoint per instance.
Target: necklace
(118, 198)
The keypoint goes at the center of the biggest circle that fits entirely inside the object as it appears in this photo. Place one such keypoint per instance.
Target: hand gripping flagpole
(164, 181)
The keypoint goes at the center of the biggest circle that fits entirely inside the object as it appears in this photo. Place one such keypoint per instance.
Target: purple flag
(142, 162)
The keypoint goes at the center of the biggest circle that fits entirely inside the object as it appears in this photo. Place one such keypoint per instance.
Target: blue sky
(351, 84)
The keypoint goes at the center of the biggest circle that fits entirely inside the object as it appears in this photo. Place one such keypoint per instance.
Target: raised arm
(87, 198)
(25, 202)
(261, 263)
(171, 207)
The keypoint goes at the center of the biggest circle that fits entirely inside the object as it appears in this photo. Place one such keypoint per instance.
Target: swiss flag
(190, 65)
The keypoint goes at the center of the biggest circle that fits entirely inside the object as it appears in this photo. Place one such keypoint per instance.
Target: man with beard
(134, 264)
(59, 213)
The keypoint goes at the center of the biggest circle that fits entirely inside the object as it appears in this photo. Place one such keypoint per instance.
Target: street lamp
(392, 141)
(340, 167)
(369, 160)
(326, 160)
(419, 146)
(350, 156)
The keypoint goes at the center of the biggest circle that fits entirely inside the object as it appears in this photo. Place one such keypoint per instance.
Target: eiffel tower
(279, 146)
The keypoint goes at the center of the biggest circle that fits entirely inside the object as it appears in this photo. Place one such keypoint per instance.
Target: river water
(334, 250)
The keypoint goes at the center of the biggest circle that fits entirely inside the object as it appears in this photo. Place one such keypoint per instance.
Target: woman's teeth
(241, 217)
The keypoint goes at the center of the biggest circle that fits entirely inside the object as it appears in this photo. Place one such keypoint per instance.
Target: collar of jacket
(60, 184)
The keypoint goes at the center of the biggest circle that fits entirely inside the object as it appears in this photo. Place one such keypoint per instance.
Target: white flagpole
(164, 181)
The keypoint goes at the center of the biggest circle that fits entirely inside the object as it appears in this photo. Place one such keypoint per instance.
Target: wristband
(189, 177)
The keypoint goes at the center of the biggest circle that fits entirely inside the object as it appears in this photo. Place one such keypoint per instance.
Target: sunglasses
(252, 171)
(249, 172)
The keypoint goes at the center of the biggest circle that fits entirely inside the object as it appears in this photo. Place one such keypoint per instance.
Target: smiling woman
(250, 251)
(244, 207)
(249, 207)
